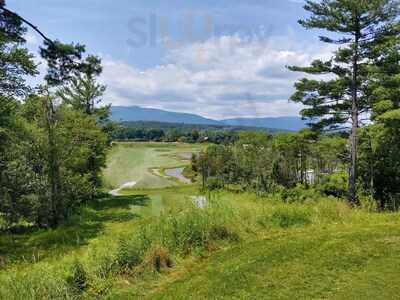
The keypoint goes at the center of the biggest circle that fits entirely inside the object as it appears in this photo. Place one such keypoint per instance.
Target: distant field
(134, 161)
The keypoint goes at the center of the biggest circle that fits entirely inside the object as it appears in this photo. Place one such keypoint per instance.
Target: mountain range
(136, 113)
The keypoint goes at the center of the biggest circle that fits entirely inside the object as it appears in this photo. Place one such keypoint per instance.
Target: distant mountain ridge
(285, 123)
(136, 113)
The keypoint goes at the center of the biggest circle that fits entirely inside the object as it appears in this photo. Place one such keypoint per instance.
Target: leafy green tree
(15, 64)
(357, 26)
(253, 160)
(62, 139)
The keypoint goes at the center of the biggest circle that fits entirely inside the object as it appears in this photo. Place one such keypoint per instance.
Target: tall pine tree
(357, 26)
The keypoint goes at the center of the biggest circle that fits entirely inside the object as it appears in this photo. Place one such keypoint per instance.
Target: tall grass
(43, 282)
(161, 242)
(178, 234)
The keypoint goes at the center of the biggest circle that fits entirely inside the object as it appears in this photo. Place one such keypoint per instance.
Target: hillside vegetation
(165, 244)
(204, 212)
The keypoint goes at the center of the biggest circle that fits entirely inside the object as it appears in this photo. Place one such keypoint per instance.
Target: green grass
(321, 249)
(342, 262)
(133, 162)
(157, 244)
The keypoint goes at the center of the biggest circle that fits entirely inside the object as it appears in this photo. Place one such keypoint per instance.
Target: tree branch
(27, 22)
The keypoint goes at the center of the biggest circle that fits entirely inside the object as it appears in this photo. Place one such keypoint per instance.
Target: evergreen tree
(380, 142)
(357, 26)
(83, 92)
(15, 61)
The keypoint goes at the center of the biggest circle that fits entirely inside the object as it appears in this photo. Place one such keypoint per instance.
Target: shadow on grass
(120, 202)
(30, 244)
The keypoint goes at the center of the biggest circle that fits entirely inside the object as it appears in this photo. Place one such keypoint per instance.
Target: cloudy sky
(216, 58)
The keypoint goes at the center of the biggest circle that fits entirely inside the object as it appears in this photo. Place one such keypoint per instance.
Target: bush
(78, 278)
(299, 194)
(334, 185)
(214, 183)
(130, 252)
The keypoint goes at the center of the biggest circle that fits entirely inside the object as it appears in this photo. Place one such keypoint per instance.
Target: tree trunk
(54, 168)
(354, 119)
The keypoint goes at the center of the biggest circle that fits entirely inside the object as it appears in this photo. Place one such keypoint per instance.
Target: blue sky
(216, 58)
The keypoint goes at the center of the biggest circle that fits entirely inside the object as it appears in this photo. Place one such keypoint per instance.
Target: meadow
(159, 243)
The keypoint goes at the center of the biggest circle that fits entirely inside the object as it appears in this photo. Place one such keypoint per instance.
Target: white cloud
(32, 39)
(223, 77)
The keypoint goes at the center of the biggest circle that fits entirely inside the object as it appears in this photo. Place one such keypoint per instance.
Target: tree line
(53, 138)
(172, 132)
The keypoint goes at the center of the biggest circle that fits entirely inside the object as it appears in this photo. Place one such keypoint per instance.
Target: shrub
(102, 262)
(299, 194)
(334, 185)
(78, 278)
(130, 252)
(214, 183)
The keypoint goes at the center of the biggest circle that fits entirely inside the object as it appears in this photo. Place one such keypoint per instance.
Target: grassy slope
(355, 260)
(97, 224)
(344, 262)
(133, 161)
(356, 257)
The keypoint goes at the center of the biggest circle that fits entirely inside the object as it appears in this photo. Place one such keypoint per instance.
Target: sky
(217, 58)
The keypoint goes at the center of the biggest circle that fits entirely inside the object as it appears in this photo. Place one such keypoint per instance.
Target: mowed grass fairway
(129, 162)
(239, 246)
(360, 262)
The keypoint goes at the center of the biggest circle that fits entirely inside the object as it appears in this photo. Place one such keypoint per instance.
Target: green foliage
(335, 185)
(261, 163)
(170, 132)
(131, 251)
(299, 194)
(51, 151)
(78, 278)
(365, 30)
(332, 100)
(63, 61)
(16, 61)
(379, 163)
